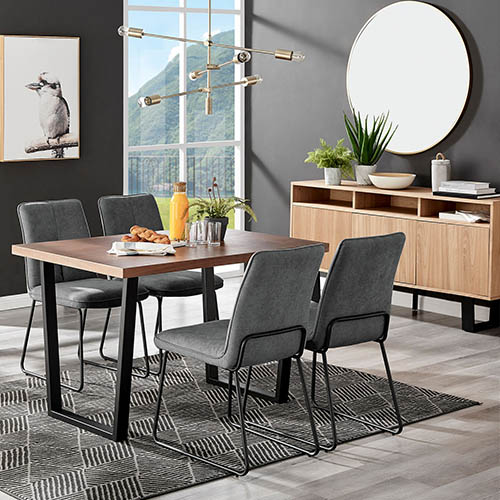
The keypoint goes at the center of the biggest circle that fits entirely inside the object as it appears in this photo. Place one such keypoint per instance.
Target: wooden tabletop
(90, 254)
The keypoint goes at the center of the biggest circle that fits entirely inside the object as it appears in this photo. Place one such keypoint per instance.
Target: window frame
(239, 100)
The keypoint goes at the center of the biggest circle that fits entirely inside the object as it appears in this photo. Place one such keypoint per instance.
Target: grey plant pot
(362, 173)
(333, 176)
(224, 222)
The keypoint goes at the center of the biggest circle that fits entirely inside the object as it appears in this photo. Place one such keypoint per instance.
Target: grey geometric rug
(43, 459)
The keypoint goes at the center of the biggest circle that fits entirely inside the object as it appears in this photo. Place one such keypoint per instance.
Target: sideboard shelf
(453, 258)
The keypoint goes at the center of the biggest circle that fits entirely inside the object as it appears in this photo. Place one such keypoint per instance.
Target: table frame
(119, 430)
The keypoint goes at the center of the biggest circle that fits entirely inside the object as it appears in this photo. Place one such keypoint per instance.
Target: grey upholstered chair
(268, 324)
(76, 289)
(118, 214)
(354, 308)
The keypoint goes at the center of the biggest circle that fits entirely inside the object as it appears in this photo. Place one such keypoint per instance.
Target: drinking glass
(191, 234)
(202, 228)
(214, 233)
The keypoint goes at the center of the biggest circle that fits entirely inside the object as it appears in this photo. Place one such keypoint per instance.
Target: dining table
(91, 254)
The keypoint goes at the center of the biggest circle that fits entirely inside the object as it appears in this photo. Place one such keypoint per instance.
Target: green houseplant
(216, 208)
(336, 161)
(368, 143)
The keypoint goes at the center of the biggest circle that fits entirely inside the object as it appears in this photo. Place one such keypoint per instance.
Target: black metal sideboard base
(469, 323)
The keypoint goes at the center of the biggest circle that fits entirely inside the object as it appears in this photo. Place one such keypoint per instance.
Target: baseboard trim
(14, 301)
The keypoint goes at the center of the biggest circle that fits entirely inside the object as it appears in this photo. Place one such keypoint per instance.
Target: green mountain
(159, 124)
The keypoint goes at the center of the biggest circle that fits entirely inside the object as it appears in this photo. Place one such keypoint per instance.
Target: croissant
(144, 234)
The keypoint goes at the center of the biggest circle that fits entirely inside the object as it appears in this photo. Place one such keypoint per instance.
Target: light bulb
(146, 101)
(132, 32)
(298, 56)
(194, 75)
(252, 80)
(242, 57)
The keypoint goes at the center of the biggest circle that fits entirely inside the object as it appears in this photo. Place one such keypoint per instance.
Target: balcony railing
(156, 174)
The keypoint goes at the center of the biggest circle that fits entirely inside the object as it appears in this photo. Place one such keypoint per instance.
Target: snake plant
(368, 145)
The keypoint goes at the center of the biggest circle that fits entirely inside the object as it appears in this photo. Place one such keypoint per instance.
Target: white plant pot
(333, 176)
(363, 174)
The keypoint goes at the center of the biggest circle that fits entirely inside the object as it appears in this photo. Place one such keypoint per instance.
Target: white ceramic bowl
(390, 180)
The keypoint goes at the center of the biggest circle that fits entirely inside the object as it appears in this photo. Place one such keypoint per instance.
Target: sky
(148, 56)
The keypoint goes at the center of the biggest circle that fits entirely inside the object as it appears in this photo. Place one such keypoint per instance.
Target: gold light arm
(240, 58)
(285, 55)
(156, 99)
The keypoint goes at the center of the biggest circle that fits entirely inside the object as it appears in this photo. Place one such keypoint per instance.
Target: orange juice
(179, 205)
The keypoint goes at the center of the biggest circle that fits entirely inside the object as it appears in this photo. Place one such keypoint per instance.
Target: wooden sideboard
(447, 259)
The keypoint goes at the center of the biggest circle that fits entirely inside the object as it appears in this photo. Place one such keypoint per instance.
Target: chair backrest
(52, 221)
(274, 295)
(359, 282)
(119, 213)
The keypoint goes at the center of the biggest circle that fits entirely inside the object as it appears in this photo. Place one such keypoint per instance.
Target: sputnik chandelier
(242, 56)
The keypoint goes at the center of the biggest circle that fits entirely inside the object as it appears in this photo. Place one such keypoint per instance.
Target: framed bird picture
(39, 98)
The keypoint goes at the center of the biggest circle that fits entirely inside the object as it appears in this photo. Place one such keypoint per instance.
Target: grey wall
(299, 103)
(99, 171)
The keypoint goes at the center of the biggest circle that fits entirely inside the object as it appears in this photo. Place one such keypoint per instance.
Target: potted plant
(368, 144)
(216, 208)
(336, 161)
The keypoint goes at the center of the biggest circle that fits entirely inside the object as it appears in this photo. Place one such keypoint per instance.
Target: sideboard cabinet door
(372, 225)
(329, 226)
(453, 258)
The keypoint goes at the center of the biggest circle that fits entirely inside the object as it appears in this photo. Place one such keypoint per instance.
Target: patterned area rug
(43, 459)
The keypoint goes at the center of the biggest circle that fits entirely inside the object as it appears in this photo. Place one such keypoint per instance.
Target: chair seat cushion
(177, 284)
(92, 293)
(205, 341)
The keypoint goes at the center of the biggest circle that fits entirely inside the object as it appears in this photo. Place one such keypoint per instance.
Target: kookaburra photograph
(40, 102)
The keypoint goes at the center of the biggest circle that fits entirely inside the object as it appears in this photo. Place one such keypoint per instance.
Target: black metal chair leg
(331, 410)
(393, 390)
(230, 395)
(252, 425)
(144, 372)
(392, 430)
(231, 470)
(103, 337)
(313, 379)
(38, 375)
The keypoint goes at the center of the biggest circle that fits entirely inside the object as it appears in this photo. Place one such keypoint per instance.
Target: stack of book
(467, 189)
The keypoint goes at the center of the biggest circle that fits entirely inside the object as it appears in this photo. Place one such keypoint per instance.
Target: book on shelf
(468, 191)
(465, 216)
(466, 195)
(464, 185)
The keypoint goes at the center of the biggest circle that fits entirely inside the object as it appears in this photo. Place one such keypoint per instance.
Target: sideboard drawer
(318, 224)
(453, 258)
(372, 225)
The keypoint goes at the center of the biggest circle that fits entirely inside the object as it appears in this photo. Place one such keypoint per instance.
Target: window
(175, 140)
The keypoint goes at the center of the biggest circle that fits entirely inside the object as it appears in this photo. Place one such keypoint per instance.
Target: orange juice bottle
(179, 205)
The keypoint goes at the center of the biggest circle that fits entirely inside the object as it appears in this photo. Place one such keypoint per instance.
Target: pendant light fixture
(242, 56)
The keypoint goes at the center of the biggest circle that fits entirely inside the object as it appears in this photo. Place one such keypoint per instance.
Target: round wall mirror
(411, 60)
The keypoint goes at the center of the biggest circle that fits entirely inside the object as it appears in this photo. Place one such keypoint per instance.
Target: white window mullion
(125, 101)
(182, 99)
(239, 120)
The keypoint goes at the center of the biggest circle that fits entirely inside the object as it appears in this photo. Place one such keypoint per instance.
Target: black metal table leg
(51, 338)
(211, 313)
(118, 431)
(125, 358)
(317, 289)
